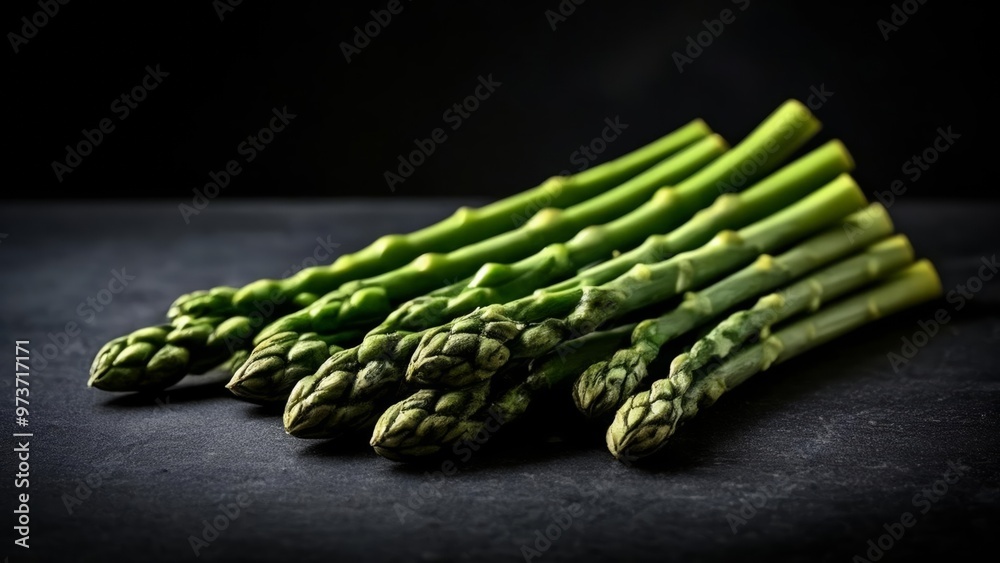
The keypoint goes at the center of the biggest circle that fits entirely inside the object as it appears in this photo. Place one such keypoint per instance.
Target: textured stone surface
(840, 443)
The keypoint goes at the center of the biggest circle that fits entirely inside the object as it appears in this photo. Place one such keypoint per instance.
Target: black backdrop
(562, 68)
(878, 435)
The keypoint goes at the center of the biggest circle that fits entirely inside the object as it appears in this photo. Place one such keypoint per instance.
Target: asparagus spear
(430, 420)
(265, 377)
(499, 283)
(464, 226)
(647, 420)
(751, 325)
(197, 344)
(324, 404)
(285, 352)
(475, 346)
(343, 308)
(604, 385)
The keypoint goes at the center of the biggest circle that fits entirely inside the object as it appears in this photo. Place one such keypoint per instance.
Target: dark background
(606, 59)
(842, 439)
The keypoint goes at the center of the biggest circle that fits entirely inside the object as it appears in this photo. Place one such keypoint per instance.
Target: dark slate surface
(837, 442)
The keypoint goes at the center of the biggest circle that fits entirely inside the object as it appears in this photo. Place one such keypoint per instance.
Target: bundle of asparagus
(375, 342)
(207, 328)
(271, 370)
(327, 403)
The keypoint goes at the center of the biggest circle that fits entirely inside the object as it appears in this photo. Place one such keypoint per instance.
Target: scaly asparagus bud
(286, 356)
(266, 299)
(603, 386)
(362, 303)
(423, 425)
(348, 391)
(475, 346)
(419, 425)
(211, 340)
(648, 419)
(730, 210)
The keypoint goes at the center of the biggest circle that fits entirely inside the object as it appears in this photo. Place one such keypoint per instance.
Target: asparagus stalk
(499, 283)
(638, 207)
(465, 225)
(647, 420)
(754, 324)
(604, 385)
(368, 301)
(477, 345)
(197, 344)
(324, 404)
(358, 301)
(265, 378)
(430, 420)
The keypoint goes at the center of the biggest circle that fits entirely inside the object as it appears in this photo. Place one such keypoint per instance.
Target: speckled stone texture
(807, 462)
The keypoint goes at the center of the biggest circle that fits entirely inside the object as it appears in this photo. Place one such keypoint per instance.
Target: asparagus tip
(642, 425)
(307, 420)
(604, 385)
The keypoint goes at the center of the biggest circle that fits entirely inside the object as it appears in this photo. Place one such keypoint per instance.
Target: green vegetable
(282, 354)
(806, 295)
(160, 356)
(604, 385)
(647, 419)
(475, 346)
(358, 302)
(499, 283)
(371, 298)
(326, 404)
(431, 420)
(466, 225)
(369, 301)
